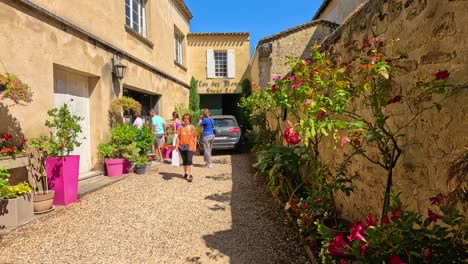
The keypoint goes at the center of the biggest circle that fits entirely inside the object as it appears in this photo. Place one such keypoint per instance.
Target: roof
(218, 34)
(295, 29)
(184, 9)
(322, 8)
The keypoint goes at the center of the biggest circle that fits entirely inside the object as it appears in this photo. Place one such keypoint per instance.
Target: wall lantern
(118, 69)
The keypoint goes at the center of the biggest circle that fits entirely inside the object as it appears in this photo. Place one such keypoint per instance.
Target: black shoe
(185, 176)
(189, 178)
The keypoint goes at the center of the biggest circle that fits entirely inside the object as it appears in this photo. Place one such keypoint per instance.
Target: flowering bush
(404, 237)
(7, 148)
(13, 88)
(64, 135)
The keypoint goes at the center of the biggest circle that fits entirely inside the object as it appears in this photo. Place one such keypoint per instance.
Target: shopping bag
(175, 158)
(174, 140)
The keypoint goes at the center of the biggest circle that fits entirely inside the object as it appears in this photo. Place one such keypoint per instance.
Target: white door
(73, 89)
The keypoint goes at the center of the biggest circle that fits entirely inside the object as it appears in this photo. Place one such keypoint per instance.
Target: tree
(194, 99)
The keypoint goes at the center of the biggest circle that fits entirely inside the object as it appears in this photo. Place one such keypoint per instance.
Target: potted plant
(16, 205)
(62, 169)
(123, 137)
(144, 141)
(140, 167)
(43, 197)
(11, 87)
(114, 163)
(121, 105)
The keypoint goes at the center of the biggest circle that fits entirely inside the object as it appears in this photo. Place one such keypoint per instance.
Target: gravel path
(224, 216)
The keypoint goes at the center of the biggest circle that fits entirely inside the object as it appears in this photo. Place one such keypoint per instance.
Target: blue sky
(261, 18)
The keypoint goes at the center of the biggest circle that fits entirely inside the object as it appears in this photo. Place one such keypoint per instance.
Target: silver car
(227, 133)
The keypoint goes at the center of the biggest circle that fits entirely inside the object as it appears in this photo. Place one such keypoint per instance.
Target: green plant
(282, 165)
(13, 88)
(8, 191)
(65, 129)
(141, 160)
(7, 147)
(404, 237)
(194, 100)
(107, 151)
(144, 139)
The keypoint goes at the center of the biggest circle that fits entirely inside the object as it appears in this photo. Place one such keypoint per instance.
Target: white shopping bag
(175, 158)
(174, 140)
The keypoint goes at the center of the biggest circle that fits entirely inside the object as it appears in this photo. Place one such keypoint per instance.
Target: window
(135, 15)
(220, 58)
(178, 39)
(220, 64)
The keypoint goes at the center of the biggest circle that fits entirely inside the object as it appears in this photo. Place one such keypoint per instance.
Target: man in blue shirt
(159, 130)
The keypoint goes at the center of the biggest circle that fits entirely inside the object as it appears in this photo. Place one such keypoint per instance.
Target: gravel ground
(224, 216)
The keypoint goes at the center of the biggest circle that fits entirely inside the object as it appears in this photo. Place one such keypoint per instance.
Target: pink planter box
(62, 174)
(114, 167)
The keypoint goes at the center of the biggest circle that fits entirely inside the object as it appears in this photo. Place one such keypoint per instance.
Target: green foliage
(141, 160)
(108, 151)
(282, 166)
(63, 138)
(194, 99)
(124, 134)
(144, 139)
(10, 192)
(125, 104)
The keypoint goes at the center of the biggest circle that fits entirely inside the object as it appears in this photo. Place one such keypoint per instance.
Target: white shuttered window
(135, 15)
(220, 64)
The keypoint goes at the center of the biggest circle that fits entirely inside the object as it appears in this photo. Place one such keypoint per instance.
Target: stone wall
(434, 35)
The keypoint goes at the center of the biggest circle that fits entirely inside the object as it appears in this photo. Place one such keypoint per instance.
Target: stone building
(219, 62)
(66, 50)
(433, 35)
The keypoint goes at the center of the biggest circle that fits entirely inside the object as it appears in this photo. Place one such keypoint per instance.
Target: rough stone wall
(434, 34)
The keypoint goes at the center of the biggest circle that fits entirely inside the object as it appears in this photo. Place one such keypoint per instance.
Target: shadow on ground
(260, 232)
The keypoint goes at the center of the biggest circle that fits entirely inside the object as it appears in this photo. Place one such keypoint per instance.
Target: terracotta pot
(42, 202)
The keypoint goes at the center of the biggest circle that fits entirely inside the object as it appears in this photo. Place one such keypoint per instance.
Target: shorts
(159, 139)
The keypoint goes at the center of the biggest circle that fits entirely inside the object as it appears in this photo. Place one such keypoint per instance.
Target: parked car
(227, 133)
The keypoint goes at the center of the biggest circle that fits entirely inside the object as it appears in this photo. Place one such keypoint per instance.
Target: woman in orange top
(186, 143)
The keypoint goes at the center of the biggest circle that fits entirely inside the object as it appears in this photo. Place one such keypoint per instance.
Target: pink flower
(433, 217)
(343, 140)
(276, 77)
(442, 74)
(337, 245)
(295, 85)
(356, 232)
(274, 87)
(291, 77)
(290, 136)
(370, 221)
(363, 250)
(308, 102)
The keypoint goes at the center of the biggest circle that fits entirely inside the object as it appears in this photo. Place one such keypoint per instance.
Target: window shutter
(210, 64)
(231, 60)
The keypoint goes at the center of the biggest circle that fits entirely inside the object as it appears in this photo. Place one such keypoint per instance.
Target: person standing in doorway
(207, 122)
(138, 121)
(158, 128)
(186, 144)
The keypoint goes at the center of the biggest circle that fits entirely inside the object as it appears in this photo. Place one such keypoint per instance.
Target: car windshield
(224, 122)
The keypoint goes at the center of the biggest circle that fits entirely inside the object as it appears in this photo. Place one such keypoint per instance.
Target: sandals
(185, 176)
(189, 178)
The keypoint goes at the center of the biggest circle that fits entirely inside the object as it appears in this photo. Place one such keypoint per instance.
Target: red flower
(304, 206)
(370, 221)
(395, 99)
(433, 217)
(7, 136)
(315, 71)
(356, 232)
(442, 74)
(435, 200)
(363, 250)
(397, 213)
(343, 140)
(24, 140)
(386, 220)
(396, 260)
(321, 114)
(336, 246)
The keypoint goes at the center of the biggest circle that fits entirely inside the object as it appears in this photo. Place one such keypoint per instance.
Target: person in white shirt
(138, 121)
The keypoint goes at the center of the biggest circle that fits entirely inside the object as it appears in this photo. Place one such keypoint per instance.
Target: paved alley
(224, 216)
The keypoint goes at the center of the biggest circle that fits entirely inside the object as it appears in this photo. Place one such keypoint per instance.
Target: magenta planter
(62, 174)
(126, 166)
(114, 167)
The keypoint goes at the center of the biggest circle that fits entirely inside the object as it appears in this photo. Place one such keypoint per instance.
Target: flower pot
(127, 167)
(43, 202)
(17, 211)
(148, 166)
(140, 169)
(114, 167)
(62, 176)
(341, 226)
